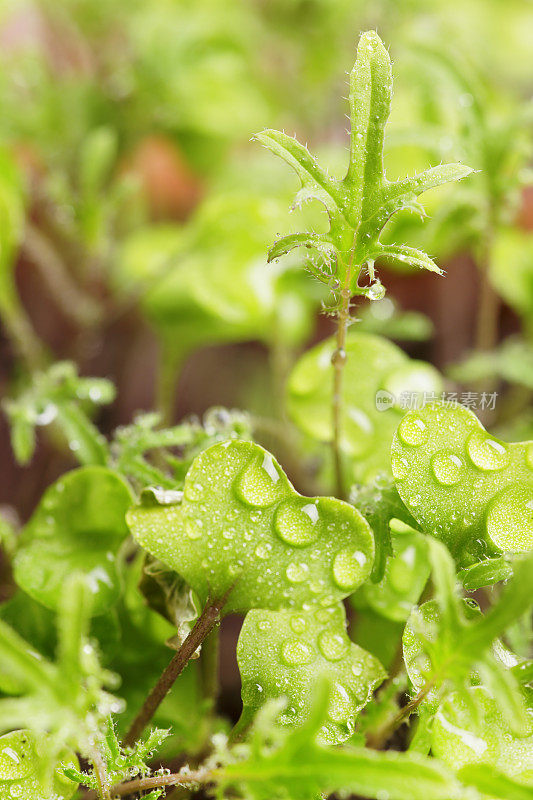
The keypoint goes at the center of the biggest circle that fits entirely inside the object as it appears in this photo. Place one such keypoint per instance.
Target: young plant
(358, 207)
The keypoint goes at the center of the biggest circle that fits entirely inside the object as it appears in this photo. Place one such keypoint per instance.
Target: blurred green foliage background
(135, 213)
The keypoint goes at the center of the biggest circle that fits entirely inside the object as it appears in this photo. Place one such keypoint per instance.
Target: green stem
(170, 361)
(25, 341)
(380, 739)
(100, 773)
(338, 359)
(209, 667)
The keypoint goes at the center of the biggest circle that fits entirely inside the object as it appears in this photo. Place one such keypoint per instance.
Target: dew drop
(193, 529)
(296, 522)
(349, 566)
(510, 519)
(298, 624)
(333, 646)
(399, 467)
(262, 551)
(412, 430)
(194, 491)
(340, 706)
(295, 653)
(251, 693)
(529, 455)
(264, 625)
(487, 453)
(296, 573)
(259, 483)
(447, 467)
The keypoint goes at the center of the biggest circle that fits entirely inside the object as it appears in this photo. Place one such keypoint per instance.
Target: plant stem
(380, 739)
(203, 627)
(154, 782)
(100, 774)
(489, 301)
(74, 303)
(209, 666)
(170, 361)
(338, 359)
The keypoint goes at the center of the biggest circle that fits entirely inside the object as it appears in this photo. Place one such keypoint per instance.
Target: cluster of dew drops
(511, 511)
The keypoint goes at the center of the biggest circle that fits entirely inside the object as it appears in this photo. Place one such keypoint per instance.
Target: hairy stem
(203, 627)
(338, 360)
(154, 782)
(100, 773)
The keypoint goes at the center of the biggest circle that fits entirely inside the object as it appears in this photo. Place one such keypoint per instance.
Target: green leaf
(378, 379)
(283, 653)
(463, 485)
(211, 283)
(490, 782)
(299, 769)
(61, 397)
(242, 528)
(360, 205)
(379, 503)
(486, 573)
(460, 737)
(78, 526)
(405, 575)
(408, 256)
(24, 768)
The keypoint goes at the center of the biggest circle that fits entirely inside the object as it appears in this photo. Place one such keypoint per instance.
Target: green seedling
(358, 208)
(60, 397)
(23, 760)
(449, 644)
(464, 486)
(242, 528)
(283, 654)
(378, 379)
(78, 526)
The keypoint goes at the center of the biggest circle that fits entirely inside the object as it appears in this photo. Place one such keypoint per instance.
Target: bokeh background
(139, 213)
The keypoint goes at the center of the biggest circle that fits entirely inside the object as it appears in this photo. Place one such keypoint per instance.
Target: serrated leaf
(409, 256)
(283, 653)
(243, 529)
(298, 769)
(360, 205)
(77, 527)
(378, 379)
(464, 486)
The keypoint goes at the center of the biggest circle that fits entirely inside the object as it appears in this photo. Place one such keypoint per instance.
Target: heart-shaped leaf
(242, 527)
(475, 732)
(77, 527)
(283, 653)
(23, 767)
(378, 380)
(463, 485)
